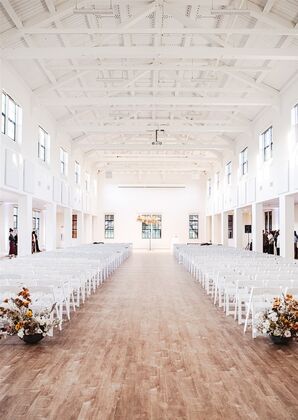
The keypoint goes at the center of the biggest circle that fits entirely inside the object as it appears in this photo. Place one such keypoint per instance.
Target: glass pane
(3, 123)
(11, 110)
(11, 129)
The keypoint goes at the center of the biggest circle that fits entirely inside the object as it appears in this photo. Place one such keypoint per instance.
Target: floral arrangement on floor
(281, 320)
(17, 318)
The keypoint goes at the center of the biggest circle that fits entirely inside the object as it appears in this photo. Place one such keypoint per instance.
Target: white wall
(174, 205)
(22, 173)
(265, 180)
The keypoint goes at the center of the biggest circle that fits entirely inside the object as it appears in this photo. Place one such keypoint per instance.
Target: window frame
(267, 147)
(7, 120)
(156, 227)
(63, 161)
(15, 217)
(244, 161)
(77, 172)
(36, 221)
(43, 147)
(229, 172)
(230, 226)
(193, 226)
(74, 226)
(109, 226)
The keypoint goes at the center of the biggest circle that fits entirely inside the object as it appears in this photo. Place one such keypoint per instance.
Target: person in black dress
(12, 244)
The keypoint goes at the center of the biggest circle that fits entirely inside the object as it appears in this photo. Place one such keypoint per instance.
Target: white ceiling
(113, 72)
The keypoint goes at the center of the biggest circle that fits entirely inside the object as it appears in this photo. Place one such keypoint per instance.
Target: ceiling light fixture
(157, 142)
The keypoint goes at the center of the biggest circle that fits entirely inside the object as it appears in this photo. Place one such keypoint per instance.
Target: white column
(81, 228)
(95, 229)
(257, 226)
(67, 223)
(50, 218)
(25, 225)
(213, 227)
(287, 223)
(238, 228)
(224, 229)
(4, 231)
(88, 228)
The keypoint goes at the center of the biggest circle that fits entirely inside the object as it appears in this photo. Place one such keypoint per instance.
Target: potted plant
(280, 321)
(18, 318)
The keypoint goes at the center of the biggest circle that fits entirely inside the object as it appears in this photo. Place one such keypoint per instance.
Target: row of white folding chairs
(230, 283)
(41, 275)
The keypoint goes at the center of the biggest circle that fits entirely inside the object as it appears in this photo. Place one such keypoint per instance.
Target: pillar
(257, 226)
(50, 219)
(88, 228)
(81, 228)
(5, 209)
(224, 229)
(287, 223)
(95, 228)
(67, 223)
(25, 225)
(238, 228)
(213, 234)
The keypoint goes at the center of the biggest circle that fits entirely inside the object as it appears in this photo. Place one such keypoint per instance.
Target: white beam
(59, 53)
(166, 67)
(138, 127)
(165, 31)
(157, 101)
(253, 83)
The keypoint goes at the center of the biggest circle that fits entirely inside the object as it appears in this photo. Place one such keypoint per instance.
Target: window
(268, 220)
(43, 144)
(10, 111)
(63, 161)
(77, 173)
(209, 189)
(267, 144)
(229, 172)
(243, 162)
(87, 181)
(3, 116)
(217, 180)
(294, 115)
(193, 226)
(74, 234)
(155, 228)
(15, 217)
(36, 221)
(109, 226)
(230, 226)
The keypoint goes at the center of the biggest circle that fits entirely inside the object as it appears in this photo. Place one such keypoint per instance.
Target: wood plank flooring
(149, 345)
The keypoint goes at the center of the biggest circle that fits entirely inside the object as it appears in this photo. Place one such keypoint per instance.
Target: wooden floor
(149, 345)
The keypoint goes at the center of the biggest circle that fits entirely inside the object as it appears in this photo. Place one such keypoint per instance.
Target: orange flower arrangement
(282, 319)
(18, 318)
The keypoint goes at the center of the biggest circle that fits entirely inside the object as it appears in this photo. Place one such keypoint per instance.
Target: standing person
(33, 243)
(16, 240)
(12, 244)
(270, 243)
(277, 243)
(36, 242)
(295, 245)
(265, 241)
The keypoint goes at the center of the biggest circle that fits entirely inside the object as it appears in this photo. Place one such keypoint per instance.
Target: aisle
(148, 345)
